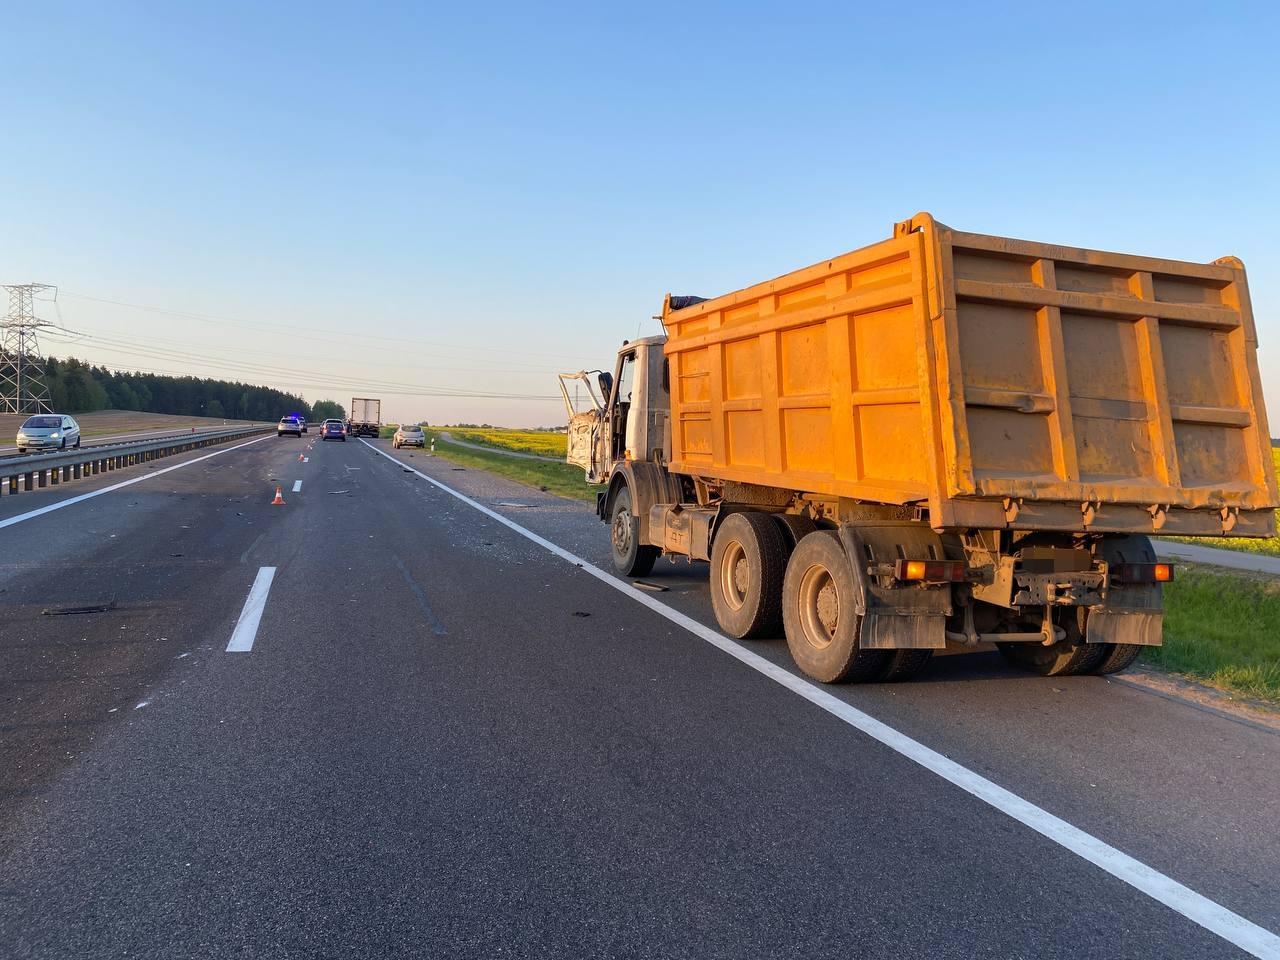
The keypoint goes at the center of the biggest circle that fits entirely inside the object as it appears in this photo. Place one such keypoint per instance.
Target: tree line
(78, 387)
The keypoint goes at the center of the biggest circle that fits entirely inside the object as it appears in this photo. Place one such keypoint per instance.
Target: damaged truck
(941, 439)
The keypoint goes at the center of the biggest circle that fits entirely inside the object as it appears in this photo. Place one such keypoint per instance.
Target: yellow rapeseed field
(541, 442)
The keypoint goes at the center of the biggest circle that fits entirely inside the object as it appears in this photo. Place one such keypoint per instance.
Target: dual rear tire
(823, 628)
(1072, 656)
(773, 573)
(748, 562)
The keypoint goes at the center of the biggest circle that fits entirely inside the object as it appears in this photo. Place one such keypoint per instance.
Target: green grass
(539, 442)
(557, 478)
(1268, 545)
(1223, 630)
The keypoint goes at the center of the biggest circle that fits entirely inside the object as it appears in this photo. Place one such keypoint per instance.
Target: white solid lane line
(297, 486)
(1248, 936)
(247, 626)
(71, 501)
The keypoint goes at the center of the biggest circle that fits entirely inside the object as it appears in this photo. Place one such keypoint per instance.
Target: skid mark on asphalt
(436, 626)
(246, 630)
(244, 557)
(1230, 926)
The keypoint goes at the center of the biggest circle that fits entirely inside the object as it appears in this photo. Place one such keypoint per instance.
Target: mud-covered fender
(649, 483)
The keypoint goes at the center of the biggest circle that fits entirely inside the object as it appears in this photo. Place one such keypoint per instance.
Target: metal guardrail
(35, 470)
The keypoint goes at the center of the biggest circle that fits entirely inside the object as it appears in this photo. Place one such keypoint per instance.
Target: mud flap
(896, 618)
(883, 630)
(1131, 614)
(1118, 626)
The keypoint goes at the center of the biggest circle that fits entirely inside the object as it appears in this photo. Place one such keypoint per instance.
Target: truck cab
(623, 416)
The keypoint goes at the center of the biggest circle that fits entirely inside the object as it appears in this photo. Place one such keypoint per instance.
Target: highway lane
(446, 740)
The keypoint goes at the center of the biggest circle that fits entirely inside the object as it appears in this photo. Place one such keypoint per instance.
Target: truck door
(585, 439)
(620, 407)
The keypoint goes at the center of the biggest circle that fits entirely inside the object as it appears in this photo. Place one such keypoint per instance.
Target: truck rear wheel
(818, 614)
(1116, 657)
(794, 528)
(1063, 659)
(1068, 657)
(630, 557)
(748, 562)
(906, 664)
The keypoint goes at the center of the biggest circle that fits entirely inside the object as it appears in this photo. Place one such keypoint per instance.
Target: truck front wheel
(630, 557)
(819, 614)
(748, 561)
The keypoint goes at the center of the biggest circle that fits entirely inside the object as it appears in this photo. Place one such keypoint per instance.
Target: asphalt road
(448, 741)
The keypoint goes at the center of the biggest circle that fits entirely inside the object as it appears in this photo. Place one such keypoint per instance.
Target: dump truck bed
(1002, 383)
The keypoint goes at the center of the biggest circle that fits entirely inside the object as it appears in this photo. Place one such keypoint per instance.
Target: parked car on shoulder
(48, 431)
(408, 435)
(333, 430)
(289, 425)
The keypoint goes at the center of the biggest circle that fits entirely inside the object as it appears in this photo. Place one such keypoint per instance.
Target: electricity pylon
(22, 386)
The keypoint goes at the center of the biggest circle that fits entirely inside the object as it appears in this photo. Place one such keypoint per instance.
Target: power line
(336, 337)
(292, 376)
(275, 370)
(22, 386)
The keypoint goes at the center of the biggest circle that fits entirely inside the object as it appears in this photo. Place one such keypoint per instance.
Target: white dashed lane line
(246, 630)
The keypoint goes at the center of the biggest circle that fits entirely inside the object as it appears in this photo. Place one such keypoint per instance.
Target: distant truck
(944, 438)
(366, 417)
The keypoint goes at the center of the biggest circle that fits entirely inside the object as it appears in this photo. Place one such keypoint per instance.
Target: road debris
(71, 611)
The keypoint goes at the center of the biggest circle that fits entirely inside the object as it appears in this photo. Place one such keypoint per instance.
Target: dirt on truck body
(944, 437)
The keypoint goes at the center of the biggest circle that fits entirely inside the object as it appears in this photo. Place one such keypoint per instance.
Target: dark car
(333, 430)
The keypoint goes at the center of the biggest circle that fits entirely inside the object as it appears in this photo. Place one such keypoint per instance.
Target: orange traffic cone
(279, 500)
(299, 458)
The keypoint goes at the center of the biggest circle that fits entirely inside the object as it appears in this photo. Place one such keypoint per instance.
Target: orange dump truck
(941, 438)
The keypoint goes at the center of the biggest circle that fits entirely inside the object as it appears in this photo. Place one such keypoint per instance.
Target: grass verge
(557, 478)
(1223, 630)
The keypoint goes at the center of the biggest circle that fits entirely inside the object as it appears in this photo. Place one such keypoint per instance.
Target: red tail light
(929, 571)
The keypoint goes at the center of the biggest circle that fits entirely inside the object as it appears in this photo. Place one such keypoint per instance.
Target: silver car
(409, 435)
(49, 431)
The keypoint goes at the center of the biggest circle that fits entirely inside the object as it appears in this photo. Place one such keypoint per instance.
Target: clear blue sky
(512, 189)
